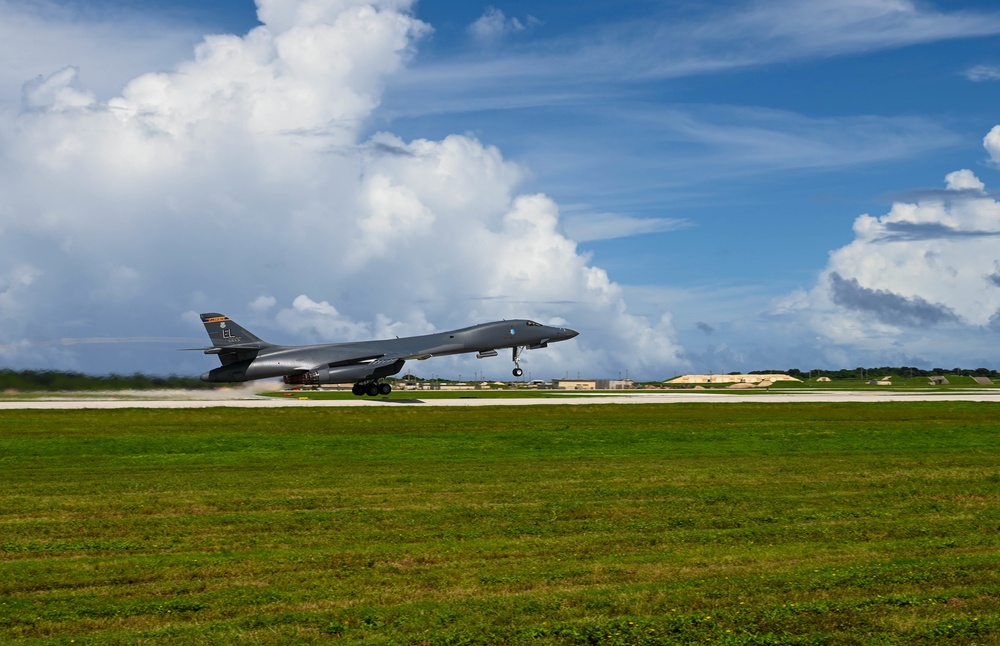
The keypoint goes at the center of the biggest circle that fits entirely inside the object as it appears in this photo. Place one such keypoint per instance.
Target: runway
(404, 398)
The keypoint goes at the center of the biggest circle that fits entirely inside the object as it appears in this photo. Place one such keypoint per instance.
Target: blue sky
(715, 161)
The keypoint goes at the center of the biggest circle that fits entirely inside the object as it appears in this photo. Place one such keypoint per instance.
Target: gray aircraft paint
(245, 357)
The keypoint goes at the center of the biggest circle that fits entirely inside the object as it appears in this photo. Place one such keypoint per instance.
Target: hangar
(730, 379)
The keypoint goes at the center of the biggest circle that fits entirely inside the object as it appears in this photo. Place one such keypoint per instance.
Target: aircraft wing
(436, 351)
(384, 360)
(387, 360)
(396, 354)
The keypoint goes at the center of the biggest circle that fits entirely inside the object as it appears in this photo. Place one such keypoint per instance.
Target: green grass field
(639, 524)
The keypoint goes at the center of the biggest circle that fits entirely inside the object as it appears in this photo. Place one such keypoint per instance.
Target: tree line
(53, 380)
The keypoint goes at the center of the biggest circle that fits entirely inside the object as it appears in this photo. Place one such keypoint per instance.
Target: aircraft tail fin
(227, 333)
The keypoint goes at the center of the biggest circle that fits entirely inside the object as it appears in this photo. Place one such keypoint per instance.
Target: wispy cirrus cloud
(789, 29)
(980, 73)
(663, 46)
(685, 149)
(609, 226)
(759, 139)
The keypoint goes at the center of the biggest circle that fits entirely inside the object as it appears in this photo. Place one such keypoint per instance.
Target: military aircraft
(246, 357)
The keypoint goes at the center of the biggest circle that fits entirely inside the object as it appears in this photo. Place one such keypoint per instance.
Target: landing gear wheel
(516, 357)
(358, 389)
(384, 389)
(372, 390)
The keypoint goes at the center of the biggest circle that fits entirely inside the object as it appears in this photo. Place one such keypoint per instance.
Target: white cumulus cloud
(920, 281)
(263, 303)
(240, 181)
(56, 91)
(493, 25)
(992, 144)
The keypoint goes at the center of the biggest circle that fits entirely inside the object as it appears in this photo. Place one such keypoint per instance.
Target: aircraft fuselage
(249, 358)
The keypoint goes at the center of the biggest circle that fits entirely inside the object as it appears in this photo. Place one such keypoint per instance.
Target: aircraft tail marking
(227, 333)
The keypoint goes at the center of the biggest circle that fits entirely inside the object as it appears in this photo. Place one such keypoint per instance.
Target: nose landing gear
(517, 361)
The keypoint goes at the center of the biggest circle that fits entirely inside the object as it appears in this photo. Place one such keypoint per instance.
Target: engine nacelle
(225, 374)
(344, 374)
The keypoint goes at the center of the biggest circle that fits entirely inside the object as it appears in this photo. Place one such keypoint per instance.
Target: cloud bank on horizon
(245, 180)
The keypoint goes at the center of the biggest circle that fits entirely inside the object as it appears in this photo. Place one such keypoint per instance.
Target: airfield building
(592, 384)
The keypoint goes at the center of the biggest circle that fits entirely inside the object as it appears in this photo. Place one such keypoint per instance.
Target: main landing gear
(517, 361)
(371, 388)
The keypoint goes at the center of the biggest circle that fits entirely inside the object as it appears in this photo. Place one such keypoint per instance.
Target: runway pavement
(404, 398)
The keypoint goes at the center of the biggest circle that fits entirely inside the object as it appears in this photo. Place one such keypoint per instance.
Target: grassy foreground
(725, 523)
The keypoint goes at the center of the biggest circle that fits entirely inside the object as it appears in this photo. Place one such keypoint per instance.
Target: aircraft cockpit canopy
(533, 324)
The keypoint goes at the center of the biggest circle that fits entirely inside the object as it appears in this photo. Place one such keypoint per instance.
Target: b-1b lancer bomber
(246, 357)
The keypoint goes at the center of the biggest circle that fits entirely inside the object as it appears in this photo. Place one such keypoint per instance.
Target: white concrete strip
(406, 399)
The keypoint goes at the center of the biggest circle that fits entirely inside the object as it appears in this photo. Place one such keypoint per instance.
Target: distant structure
(755, 380)
(983, 381)
(939, 381)
(592, 384)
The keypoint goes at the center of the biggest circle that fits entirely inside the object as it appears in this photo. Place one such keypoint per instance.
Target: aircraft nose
(568, 333)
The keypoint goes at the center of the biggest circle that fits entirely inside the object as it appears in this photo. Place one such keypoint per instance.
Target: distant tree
(51, 380)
